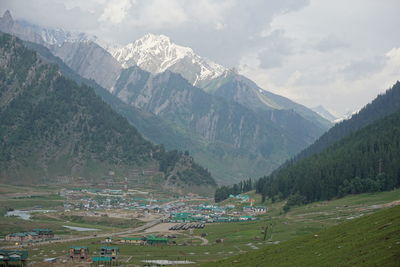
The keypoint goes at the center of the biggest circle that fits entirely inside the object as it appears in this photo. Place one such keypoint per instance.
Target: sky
(339, 54)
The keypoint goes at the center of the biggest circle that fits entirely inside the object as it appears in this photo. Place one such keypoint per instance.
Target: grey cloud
(330, 43)
(275, 49)
(361, 68)
(51, 14)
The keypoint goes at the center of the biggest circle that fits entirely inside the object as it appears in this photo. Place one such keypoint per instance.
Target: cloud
(115, 11)
(358, 69)
(275, 49)
(330, 43)
(336, 53)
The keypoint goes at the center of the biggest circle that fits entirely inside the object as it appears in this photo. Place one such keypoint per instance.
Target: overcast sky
(339, 54)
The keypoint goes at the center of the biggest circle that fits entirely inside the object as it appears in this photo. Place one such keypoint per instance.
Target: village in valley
(93, 225)
(74, 225)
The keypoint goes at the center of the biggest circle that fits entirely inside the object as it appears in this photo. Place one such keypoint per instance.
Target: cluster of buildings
(188, 217)
(96, 199)
(34, 235)
(108, 254)
(145, 240)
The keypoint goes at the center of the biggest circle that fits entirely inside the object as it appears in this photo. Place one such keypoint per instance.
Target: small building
(256, 209)
(13, 257)
(248, 209)
(78, 252)
(260, 209)
(109, 252)
(22, 237)
(181, 217)
(108, 239)
(132, 240)
(44, 233)
(154, 240)
(246, 218)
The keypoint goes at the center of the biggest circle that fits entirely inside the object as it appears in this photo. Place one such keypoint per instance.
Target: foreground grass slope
(372, 240)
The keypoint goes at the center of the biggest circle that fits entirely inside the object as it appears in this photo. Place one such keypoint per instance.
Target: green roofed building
(44, 233)
(13, 257)
(101, 259)
(154, 240)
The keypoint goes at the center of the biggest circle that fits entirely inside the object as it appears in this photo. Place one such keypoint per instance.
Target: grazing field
(372, 240)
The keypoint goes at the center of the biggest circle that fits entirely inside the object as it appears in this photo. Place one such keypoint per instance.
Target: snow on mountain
(347, 116)
(323, 112)
(156, 54)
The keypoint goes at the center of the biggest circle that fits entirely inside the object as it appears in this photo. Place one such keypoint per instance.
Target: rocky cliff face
(90, 61)
(172, 98)
(237, 88)
(8, 25)
(77, 50)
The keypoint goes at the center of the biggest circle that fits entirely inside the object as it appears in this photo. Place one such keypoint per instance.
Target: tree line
(223, 192)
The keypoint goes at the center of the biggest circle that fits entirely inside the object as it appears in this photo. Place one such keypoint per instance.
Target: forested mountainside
(338, 163)
(366, 161)
(380, 107)
(52, 129)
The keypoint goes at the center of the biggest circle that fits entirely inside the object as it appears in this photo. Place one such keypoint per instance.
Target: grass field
(372, 240)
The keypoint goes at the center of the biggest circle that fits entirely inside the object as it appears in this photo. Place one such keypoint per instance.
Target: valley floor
(217, 241)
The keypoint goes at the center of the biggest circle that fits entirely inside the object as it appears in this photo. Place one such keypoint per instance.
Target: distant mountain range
(229, 124)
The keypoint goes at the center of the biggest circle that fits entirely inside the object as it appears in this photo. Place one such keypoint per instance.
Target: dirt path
(161, 228)
(204, 240)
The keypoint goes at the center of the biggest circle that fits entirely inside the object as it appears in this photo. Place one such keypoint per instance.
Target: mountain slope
(380, 107)
(225, 127)
(325, 113)
(78, 50)
(365, 161)
(53, 130)
(372, 240)
(240, 89)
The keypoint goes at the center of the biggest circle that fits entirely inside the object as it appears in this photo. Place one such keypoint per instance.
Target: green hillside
(372, 240)
(380, 107)
(53, 130)
(366, 161)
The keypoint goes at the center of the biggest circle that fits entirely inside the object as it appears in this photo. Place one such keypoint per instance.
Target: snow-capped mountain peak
(156, 53)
